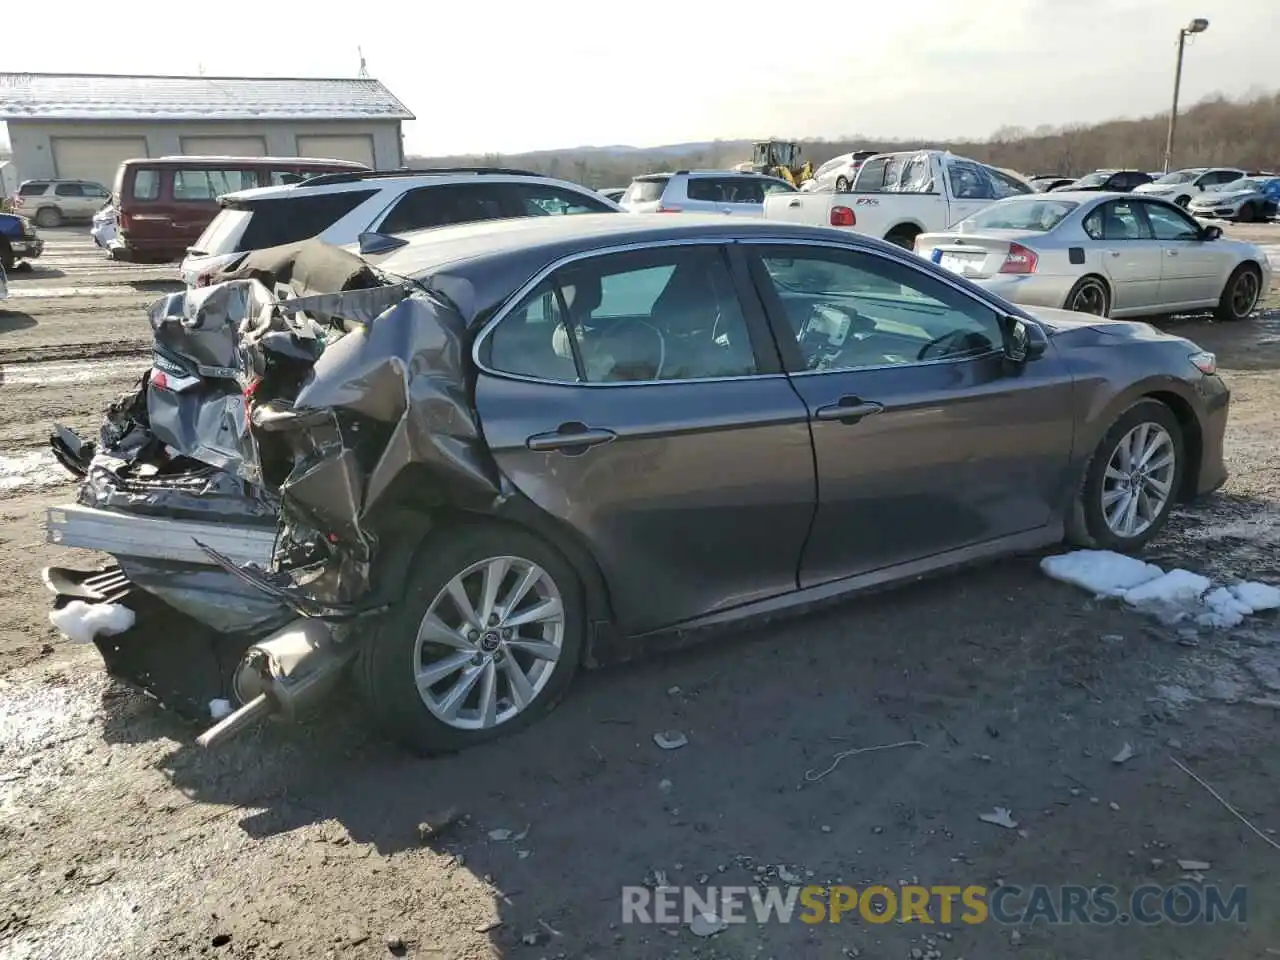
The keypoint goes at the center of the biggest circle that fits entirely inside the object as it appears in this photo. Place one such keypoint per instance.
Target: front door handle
(1114, 253)
(1172, 253)
(571, 438)
(848, 410)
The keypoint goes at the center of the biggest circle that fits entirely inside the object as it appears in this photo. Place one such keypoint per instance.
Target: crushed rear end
(262, 491)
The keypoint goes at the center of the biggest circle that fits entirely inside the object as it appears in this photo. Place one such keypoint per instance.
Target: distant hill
(1244, 132)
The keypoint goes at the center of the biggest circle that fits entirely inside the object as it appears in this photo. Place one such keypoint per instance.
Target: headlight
(1204, 361)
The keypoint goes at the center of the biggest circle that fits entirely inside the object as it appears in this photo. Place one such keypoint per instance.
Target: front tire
(1089, 295)
(1247, 213)
(1241, 294)
(486, 641)
(1131, 482)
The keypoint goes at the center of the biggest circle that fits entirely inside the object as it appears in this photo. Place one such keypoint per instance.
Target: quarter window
(146, 184)
(854, 311)
(629, 318)
(539, 200)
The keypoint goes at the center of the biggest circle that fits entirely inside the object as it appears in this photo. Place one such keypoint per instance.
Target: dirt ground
(120, 839)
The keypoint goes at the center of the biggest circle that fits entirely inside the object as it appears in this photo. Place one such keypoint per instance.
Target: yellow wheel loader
(778, 158)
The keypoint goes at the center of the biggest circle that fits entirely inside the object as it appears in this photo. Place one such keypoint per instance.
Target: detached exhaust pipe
(284, 675)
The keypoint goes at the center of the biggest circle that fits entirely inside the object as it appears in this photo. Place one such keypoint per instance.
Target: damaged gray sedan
(463, 467)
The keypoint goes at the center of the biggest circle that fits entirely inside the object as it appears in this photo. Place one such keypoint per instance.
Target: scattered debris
(825, 828)
(489, 927)
(395, 943)
(674, 691)
(1217, 796)
(501, 835)
(665, 786)
(786, 876)
(431, 831)
(524, 854)
(535, 938)
(999, 817)
(812, 777)
(706, 925)
(982, 757)
(1194, 865)
(1015, 937)
(670, 739)
(1126, 753)
(219, 708)
(1114, 806)
(549, 928)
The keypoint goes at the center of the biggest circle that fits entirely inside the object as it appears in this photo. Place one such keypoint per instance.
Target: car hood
(1058, 322)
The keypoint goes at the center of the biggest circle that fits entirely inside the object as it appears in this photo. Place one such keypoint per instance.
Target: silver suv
(339, 207)
(51, 203)
(702, 191)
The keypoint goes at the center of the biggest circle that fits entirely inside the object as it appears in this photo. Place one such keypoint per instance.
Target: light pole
(1198, 25)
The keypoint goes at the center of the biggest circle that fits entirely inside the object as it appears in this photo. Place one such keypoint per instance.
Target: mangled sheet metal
(306, 387)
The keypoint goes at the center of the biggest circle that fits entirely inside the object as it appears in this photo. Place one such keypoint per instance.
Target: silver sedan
(1110, 254)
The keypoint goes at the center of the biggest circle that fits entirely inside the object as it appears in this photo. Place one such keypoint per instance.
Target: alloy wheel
(1244, 295)
(489, 643)
(1138, 482)
(1090, 298)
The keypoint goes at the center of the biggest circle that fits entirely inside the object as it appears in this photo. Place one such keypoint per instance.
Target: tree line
(1243, 132)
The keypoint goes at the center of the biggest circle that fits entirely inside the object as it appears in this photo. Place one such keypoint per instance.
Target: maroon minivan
(164, 204)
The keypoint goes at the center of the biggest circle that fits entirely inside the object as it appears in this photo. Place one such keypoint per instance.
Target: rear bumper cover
(27, 248)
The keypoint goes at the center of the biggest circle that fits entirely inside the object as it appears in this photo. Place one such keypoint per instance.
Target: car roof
(493, 258)
(202, 161)
(308, 187)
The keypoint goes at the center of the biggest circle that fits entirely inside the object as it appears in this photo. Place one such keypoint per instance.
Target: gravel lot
(119, 839)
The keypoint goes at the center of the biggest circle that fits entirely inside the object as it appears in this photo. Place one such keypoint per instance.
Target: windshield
(1235, 186)
(1093, 180)
(1178, 176)
(1039, 215)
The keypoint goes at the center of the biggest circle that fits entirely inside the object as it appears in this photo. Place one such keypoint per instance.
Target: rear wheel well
(1192, 440)
(906, 231)
(440, 520)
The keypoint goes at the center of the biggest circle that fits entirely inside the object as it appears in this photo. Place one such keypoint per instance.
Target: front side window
(852, 311)
(640, 317)
(544, 200)
(1168, 223)
(1117, 220)
(211, 184)
(969, 182)
(68, 190)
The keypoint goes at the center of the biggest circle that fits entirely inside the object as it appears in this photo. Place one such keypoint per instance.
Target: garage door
(358, 147)
(224, 146)
(94, 158)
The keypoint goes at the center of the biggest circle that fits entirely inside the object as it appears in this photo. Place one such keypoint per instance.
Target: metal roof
(83, 96)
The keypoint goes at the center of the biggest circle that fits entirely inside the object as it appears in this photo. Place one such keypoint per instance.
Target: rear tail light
(1205, 362)
(843, 217)
(1019, 260)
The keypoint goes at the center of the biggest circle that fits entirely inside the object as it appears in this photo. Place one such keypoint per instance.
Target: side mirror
(1024, 341)
(1211, 232)
(371, 242)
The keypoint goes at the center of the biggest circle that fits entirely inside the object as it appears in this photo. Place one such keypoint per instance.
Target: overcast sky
(508, 76)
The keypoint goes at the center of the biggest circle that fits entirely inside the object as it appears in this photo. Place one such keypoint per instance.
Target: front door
(1195, 270)
(638, 398)
(1131, 257)
(926, 438)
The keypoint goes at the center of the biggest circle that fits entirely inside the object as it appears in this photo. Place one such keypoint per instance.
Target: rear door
(71, 201)
(662, 431)
(1131, 256)
(926, 439)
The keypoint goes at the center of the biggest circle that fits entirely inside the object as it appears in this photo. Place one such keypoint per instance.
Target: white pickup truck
(898, 196)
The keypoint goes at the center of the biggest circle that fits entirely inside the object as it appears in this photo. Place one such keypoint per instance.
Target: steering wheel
(625, 327)
(955, 337)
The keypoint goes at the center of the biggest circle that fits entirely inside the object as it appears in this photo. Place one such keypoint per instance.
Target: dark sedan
(1112, 181)
(589, 431)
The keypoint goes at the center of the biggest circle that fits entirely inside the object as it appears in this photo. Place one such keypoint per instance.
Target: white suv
(702, 191)
(339, 207)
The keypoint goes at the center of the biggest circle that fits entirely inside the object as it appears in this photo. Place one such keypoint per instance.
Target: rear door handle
(794, 203)
(570, 438)
(1172, 253)
(1114, 253)
(848, 410)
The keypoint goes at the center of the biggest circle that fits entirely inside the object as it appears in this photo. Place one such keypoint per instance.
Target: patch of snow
(219, 709)
(1176, 596)
(35, 469)
(1101, 572)
(80, 622)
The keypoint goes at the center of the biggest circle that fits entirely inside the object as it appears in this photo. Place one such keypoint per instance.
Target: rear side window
(146, 184)
(443, 205)
(726, 189)
(32, 189)
(211, 184)
(542, 200)
(646, 190)
(290, 219)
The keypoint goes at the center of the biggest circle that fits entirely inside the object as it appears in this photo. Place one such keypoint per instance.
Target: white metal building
(80, 126)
